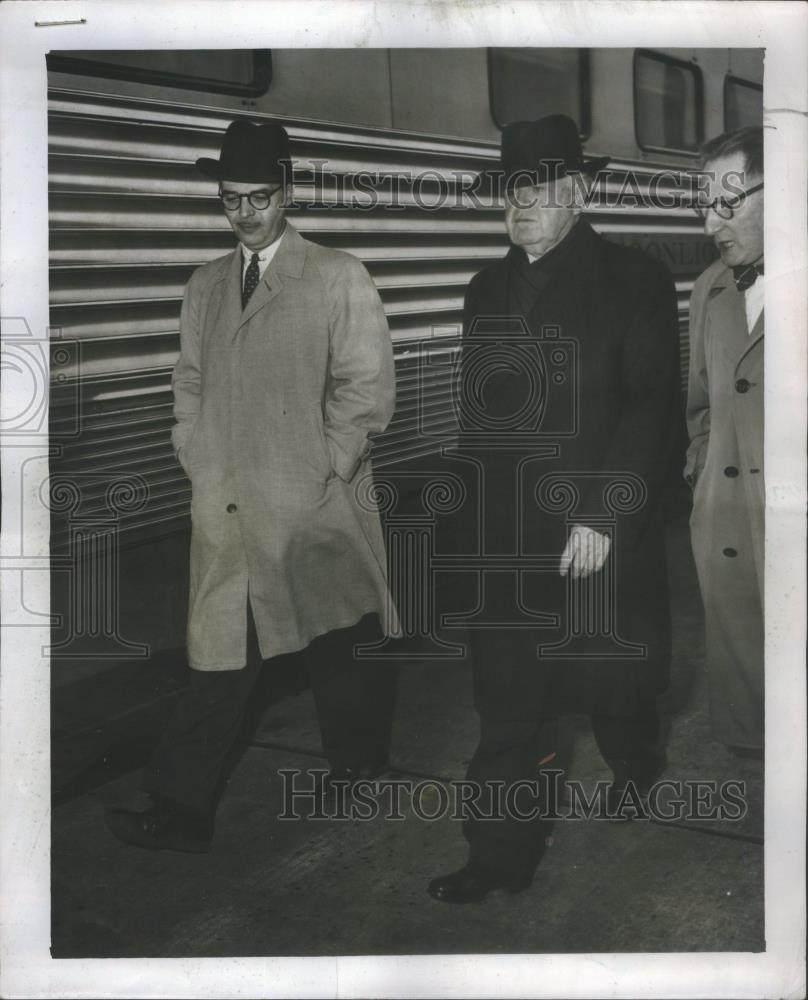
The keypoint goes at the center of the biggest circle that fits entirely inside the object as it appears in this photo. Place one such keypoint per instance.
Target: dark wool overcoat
(577, 418)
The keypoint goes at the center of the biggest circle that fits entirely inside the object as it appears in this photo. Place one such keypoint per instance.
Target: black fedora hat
(541, 151)
(251, 153)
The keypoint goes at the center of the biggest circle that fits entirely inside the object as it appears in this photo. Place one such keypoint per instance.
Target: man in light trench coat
(285, 369)
(725, 423)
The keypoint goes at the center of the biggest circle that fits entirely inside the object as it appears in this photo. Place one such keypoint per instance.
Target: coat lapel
(753, 339)
(525, 285)
(287, 263)
(727, 317)
(757, 329)
(568, 307)
(266, 290)
(230, 313)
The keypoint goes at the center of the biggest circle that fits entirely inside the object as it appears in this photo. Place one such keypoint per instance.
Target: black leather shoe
(162, 827)
(627, 800)
(350, 775)
(627, 796)
(472, 884)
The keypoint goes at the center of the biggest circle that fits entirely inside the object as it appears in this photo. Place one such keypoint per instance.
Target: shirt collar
(267, 252)
(556, 253)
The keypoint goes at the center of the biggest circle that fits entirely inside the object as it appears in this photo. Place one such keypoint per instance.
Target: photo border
(779, 27)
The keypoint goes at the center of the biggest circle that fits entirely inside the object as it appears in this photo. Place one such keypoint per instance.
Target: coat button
(742, 385)
(731, 472)
(730, 553)
(231, 508)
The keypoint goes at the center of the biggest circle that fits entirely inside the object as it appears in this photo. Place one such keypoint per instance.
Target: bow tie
(745, 275)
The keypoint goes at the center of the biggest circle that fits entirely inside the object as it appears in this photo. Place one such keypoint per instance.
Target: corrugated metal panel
(131, 218)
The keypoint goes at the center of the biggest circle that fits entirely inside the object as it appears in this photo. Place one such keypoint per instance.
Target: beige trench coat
(274, 405)
(725, 467)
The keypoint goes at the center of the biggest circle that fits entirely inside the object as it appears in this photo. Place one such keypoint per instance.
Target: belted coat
(273, 405)
(725, 468)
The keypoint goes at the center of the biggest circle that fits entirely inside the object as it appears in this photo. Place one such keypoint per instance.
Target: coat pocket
(319, 427)
(184, 455)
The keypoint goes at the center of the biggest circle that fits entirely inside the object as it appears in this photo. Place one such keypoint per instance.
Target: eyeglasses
(258, 199)
(726, 207)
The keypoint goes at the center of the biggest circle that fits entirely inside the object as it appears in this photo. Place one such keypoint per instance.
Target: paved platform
(328, 887)
(323, 887)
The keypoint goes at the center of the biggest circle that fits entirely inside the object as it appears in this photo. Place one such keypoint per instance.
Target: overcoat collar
(726, 309)
(527, 282)
(539, 272)
(287, 263)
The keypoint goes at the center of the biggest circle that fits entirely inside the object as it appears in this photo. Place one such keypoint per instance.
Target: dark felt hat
(251, 153)
(541, 151)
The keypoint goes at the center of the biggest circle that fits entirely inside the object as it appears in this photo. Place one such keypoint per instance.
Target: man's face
(739, 239)
(538, 217)
(256, 228)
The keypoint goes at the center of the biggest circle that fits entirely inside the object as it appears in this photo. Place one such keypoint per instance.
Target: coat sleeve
(361, 389)
(698, 389)
(650, 423)
(186, 381)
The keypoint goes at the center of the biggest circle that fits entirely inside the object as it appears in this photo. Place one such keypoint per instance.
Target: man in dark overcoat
(570, 412)
(285, 370)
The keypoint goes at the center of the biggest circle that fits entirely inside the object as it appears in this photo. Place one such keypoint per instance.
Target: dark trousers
(354, 701)
(515, 744)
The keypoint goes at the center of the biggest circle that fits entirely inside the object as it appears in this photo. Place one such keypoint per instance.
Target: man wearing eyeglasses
(725, 423)
(285, 369)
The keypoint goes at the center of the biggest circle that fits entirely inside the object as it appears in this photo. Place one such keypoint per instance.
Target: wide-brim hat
(541, 151)
(251, 153)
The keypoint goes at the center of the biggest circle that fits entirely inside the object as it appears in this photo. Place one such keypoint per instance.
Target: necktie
(250, 280)
(745, 275)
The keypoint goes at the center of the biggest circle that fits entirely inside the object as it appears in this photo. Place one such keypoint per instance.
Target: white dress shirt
(264, 257)
(753, 301)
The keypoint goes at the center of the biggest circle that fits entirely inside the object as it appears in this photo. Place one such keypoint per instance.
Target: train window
(743, 103)
(245, 72)
(668, 103)
(528, 83)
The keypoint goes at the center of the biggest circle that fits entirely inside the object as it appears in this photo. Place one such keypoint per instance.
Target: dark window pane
(743, 104)
(531, 83)
(228, 71)
(667, 96)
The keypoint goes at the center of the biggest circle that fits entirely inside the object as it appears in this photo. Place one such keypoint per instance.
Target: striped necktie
(250, 280)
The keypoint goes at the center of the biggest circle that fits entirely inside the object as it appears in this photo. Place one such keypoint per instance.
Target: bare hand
(585, 553)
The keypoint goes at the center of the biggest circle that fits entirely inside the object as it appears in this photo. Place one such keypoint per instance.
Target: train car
(130, 219)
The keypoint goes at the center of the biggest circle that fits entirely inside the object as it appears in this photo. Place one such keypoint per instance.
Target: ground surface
(315, 887)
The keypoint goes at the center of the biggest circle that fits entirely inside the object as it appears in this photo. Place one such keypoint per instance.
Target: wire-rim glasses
(727, 206)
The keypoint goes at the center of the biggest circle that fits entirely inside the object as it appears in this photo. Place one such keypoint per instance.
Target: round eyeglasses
(726, 207)
(259, 199)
